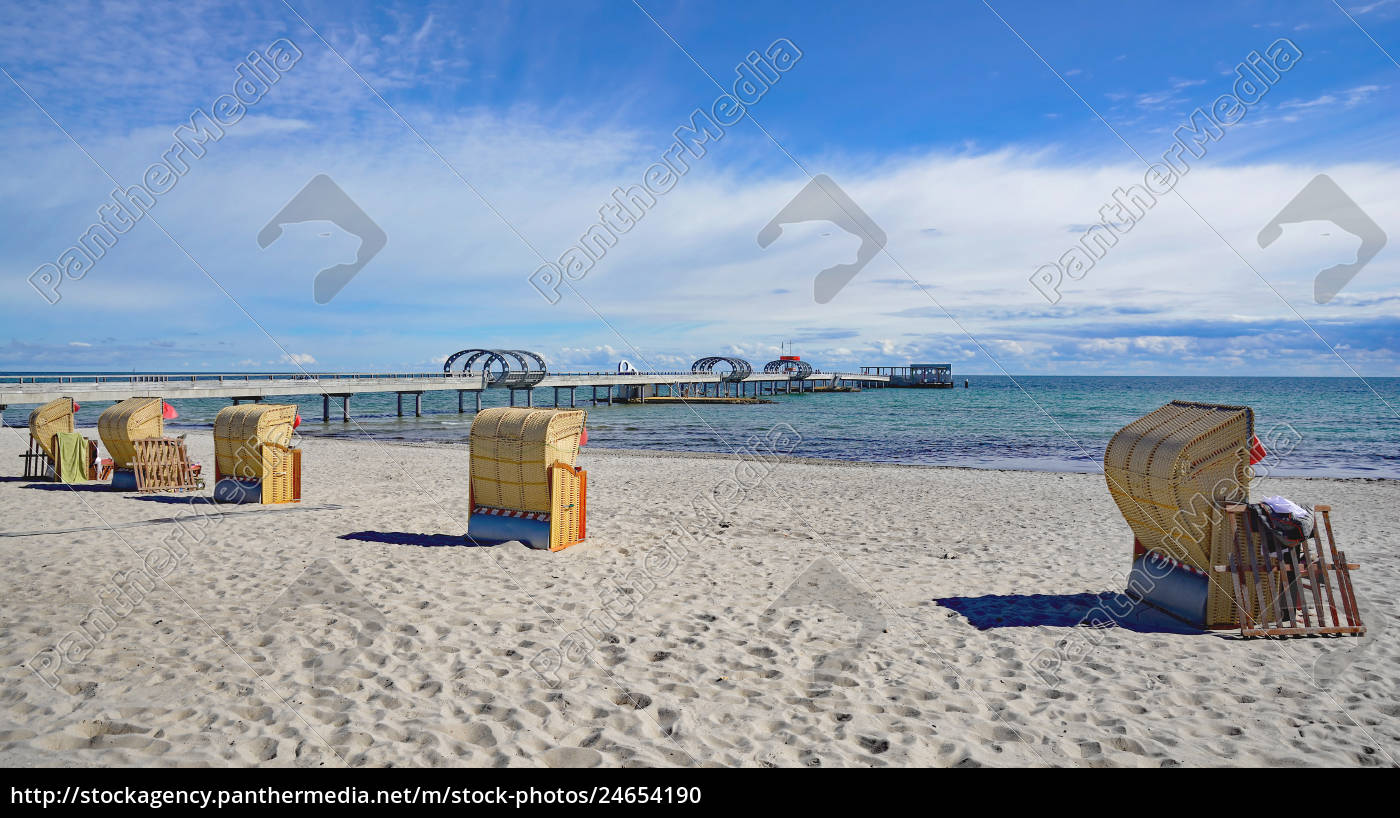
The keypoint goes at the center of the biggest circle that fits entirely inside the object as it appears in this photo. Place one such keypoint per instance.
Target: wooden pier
(339, 387)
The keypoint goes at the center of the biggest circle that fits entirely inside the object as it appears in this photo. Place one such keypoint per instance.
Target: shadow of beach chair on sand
(1107, 609)
(408, 538)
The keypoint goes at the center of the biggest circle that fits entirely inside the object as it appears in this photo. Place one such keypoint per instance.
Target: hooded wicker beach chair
(254, 460)
(121, 426)
(1180, 476)
(43, 457)
(523, 484)
(44, 425)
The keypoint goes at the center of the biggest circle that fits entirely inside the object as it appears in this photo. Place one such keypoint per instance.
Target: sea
(1314, 427)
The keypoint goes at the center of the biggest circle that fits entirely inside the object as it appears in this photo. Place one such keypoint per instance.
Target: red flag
(583, 437)
(1256, 451)
(167, 411)
(296, 421)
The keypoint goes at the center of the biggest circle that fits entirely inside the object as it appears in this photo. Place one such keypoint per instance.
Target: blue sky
(982, 139)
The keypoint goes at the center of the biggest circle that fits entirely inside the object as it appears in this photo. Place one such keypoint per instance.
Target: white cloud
(690, 279)
(250, 126)
(1370, 7)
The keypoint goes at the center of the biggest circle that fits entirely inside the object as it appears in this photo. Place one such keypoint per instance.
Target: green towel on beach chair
(72, 457)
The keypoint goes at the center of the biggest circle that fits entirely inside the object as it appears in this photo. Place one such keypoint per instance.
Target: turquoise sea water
(1316, 426)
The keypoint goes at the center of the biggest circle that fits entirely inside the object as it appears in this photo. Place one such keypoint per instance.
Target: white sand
(436, 668)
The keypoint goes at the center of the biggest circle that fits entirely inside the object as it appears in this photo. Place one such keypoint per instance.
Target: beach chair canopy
(512, 451)
(48, 420)
(240, 432)
(132, 419)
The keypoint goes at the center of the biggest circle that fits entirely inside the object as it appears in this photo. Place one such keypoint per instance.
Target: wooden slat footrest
(1272, 595)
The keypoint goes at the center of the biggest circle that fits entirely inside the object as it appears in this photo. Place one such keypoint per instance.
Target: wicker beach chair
(1180, 476)
(121, 426)
(48, 420)
(45, 423)
(162, 464)
(254, 461)
(43, 460)
(523, 484)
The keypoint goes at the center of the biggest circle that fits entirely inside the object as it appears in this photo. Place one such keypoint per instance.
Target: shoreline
(843, 463)
(840, 463)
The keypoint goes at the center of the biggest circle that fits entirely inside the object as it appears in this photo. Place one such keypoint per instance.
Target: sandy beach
(358, 629)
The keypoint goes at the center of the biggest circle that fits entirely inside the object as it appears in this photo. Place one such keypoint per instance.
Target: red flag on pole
(1256, 451)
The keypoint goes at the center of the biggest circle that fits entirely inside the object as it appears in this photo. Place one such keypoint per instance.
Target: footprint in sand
(636, 701)
(572, 757)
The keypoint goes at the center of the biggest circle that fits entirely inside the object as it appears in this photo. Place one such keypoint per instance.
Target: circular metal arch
(739, 369)
(518, 368)
(796, 370)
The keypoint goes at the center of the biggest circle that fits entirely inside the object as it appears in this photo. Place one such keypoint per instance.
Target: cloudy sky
(484, 137)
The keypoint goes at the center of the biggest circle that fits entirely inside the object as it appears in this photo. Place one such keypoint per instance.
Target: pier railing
(253, 377)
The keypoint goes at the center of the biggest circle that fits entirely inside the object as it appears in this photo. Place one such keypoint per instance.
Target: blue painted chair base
(491, 529)
(1171, 587)
(123, 480)
(230, 490)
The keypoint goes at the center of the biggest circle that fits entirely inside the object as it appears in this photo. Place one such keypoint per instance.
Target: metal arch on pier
(739, 369)
(519, 368)
(796, 370)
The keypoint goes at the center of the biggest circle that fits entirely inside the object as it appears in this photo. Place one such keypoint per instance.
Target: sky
(979, 140)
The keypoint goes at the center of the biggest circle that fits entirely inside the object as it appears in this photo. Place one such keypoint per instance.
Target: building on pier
(915, 376)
